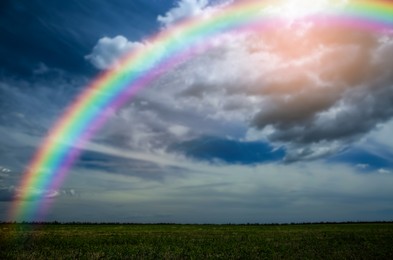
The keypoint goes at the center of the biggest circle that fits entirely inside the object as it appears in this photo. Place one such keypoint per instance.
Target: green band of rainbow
(139, 68)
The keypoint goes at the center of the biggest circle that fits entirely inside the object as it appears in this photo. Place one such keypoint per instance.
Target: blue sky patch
(363, 159)
(229, 151)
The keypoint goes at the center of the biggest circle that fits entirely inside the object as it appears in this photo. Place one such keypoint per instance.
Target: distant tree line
(179, 224)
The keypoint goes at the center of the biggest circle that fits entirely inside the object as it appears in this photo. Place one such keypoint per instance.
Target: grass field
(106, 241)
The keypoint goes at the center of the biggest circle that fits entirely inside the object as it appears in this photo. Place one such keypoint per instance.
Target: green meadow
(169, 241)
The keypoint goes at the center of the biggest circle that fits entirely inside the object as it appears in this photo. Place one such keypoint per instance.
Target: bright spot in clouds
(290, 9)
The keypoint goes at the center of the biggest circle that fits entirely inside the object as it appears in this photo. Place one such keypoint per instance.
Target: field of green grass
(107, 241)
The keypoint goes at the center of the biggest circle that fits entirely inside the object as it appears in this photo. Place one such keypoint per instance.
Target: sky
(291, 124)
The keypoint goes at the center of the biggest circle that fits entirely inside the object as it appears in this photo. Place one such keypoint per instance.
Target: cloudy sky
(293, 124)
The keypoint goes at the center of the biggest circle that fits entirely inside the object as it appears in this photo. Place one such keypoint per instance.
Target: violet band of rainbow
(138, 69)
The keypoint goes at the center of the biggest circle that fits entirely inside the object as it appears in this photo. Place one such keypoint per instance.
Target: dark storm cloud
(306, 118)
(341, 95)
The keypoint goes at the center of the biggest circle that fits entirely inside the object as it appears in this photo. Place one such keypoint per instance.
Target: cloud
(108, 51)
(337, 88)
(384, 171)
(47, 194)
(4, 170)
(183, 10)
(291, 10)
(11, 193)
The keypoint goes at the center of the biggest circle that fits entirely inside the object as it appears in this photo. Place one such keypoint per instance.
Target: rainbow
(138, 69)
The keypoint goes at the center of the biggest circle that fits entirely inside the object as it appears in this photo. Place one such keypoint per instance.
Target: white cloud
(108, 51)
(294, 9)
(184, 9)
(36, 194)
(178, 130)
(384, 171)
(4, 170)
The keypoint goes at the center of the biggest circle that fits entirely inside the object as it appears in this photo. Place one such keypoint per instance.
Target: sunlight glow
(295, 9)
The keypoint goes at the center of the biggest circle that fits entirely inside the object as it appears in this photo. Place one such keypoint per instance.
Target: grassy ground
(316, 241)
